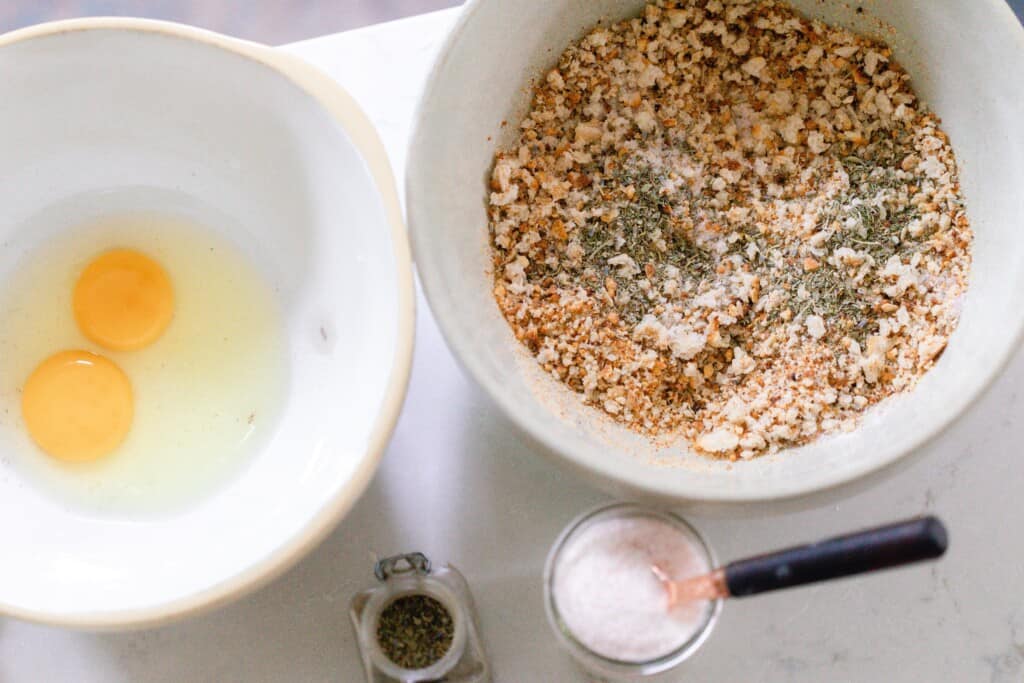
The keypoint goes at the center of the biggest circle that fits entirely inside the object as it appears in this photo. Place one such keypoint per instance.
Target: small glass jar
(594, 664)
(409, 575)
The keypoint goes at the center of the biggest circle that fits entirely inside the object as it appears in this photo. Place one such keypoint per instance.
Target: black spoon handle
(887, 546)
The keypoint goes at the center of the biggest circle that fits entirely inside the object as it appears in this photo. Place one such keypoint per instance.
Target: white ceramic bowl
(965, 59)
(96, 105)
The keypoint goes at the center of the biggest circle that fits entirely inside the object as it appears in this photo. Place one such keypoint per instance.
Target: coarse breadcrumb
(726, 221)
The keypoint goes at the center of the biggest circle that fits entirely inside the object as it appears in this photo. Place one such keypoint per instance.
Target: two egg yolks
(77, 405)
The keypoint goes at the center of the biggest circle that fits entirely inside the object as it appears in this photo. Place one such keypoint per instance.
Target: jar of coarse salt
(604, 603)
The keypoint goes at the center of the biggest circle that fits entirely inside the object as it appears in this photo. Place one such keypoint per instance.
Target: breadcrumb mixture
(725, 221)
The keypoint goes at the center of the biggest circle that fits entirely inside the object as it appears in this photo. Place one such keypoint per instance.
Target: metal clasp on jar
(408, 563)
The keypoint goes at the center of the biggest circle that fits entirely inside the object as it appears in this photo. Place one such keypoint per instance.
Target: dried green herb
(415, 631)
(644, 230)
(868, 229)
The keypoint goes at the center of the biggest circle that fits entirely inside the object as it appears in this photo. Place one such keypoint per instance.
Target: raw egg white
(190, 369)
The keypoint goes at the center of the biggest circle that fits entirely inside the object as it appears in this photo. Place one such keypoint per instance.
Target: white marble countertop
(460, 484)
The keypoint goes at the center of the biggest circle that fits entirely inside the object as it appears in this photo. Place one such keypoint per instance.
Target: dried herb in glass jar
(418, 625)
(415, 631)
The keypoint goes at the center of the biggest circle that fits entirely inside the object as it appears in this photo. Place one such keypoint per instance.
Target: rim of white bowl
(662, 488)
(351, 118)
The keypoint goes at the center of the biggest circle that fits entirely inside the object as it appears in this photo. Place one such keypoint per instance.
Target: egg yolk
(77, 406)
(123, 300)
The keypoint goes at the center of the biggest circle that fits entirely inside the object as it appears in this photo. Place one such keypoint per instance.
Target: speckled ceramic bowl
(965, 59)
(98, 107)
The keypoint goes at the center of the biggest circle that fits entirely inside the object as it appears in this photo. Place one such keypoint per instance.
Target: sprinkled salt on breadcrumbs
(726, 221)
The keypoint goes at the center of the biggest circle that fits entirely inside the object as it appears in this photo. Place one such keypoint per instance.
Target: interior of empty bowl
(106, 116)
(963, 59)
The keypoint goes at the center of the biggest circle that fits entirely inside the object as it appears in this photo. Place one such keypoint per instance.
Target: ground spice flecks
(415, 631)
(726, 221)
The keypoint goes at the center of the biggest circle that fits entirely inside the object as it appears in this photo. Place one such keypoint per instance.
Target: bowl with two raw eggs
(191, 225)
